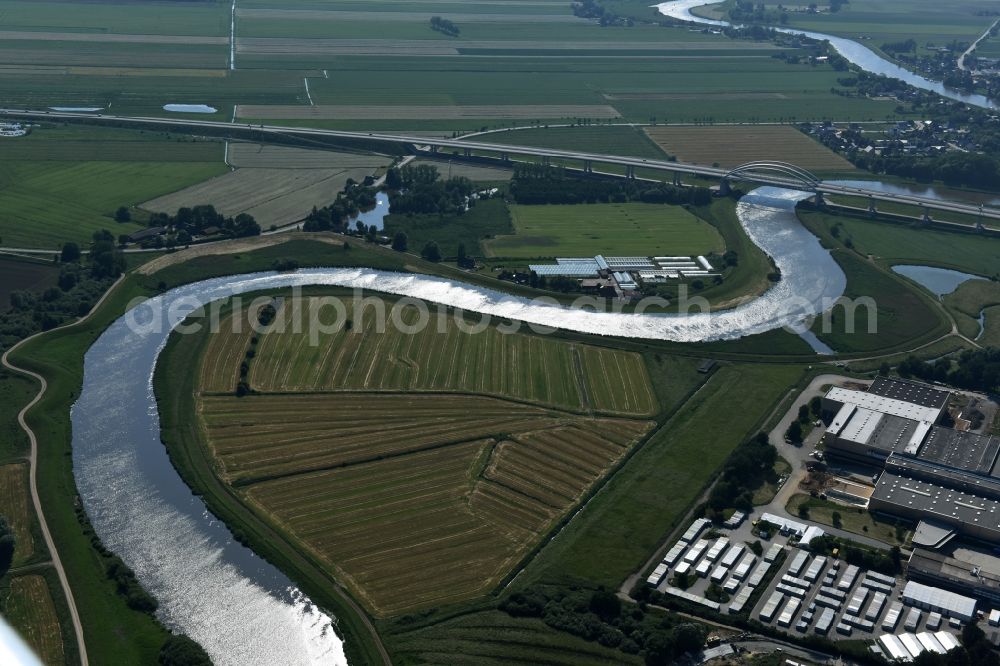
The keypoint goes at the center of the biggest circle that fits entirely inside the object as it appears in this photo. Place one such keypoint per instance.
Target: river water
(240, 608)
(862, 56)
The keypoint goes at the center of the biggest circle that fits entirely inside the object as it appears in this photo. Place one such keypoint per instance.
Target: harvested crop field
(730, 146)
(461, 515)
(14, 507)
(370, 356)
(30, 610)
(416, 112)
(272, 196)
(385, 453)
(106, 38)
(255, 155)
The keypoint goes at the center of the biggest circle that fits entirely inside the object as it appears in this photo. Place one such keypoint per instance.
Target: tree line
(599, 616)
(974, 369)
(538, 184)
(200, 221)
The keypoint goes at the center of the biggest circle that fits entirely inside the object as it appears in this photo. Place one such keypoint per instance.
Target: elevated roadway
(466, 147)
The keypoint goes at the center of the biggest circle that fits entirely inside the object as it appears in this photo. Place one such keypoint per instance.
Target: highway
(425, 144)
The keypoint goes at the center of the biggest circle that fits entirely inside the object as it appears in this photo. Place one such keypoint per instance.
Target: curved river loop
(859, 55)
(239, 607)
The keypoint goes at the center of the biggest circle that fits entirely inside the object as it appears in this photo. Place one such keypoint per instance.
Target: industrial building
(932, 475)
(958, 571)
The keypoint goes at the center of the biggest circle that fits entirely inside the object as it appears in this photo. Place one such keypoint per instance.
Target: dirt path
(33, 473)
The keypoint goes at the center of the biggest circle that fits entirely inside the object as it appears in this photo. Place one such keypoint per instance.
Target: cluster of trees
(420, 191)
(975, 369)
(756, 12)
(807, 414)
(594, 10)
(599, 616)
(537, 184)
(200, 220)
(7, 544)
(954, 168)
(444, 26)
(179, 650)
(887, 562)
(349, 203)
(907, 46)
(81, 283)
(749, 466)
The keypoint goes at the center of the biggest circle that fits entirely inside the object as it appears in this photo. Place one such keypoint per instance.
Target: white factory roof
(843, 415)
(861, 426)
(878, 403)
(954, 605)
(785, 523)
(919, 435)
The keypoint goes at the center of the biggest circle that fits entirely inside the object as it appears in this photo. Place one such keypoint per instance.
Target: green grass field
(632, 229)
(901, 244)
(607, 139)
(966, 303)
(899, 317)
(487, 218)
(62, 185)
(493, 638)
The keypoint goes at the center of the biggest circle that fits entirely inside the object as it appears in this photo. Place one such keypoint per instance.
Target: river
(862, 56)
(239, 607)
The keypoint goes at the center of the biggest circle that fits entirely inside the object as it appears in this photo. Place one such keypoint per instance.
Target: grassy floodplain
(632, 229)
(967, 302)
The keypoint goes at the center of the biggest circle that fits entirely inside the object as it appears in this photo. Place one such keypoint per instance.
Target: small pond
(375, 216)
(938, 281)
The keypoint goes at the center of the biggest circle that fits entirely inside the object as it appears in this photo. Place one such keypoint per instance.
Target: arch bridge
(773, 173)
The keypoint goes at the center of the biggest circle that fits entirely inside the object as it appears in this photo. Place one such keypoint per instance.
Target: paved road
(428, 144)
(33, 475)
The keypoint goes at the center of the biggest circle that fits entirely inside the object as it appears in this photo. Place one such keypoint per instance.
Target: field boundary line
(33, 467)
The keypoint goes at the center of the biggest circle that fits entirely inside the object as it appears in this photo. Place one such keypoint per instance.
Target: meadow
(14, 507)
(902, 244)
(62, 185)
(30, 610)
(734, 145)
(967, 302)
(629, 229)
(494, 638)
(449, 452)
(607, 139)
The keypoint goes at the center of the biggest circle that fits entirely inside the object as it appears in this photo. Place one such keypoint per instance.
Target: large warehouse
(930, 472)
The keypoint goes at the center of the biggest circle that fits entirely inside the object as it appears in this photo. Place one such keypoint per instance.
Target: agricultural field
(18, 273)
(734, 145)
(462, 515)
(474, 172)
(29, 609)
(447, 452)
(309, 63)
(929, 24)
(629, 229)
(244, 155)
(62, 184)
(373, 354)
(273, 196)
(14, 507)
(607, 139)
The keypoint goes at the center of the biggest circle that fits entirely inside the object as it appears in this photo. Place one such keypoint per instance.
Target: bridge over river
(777, 174)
